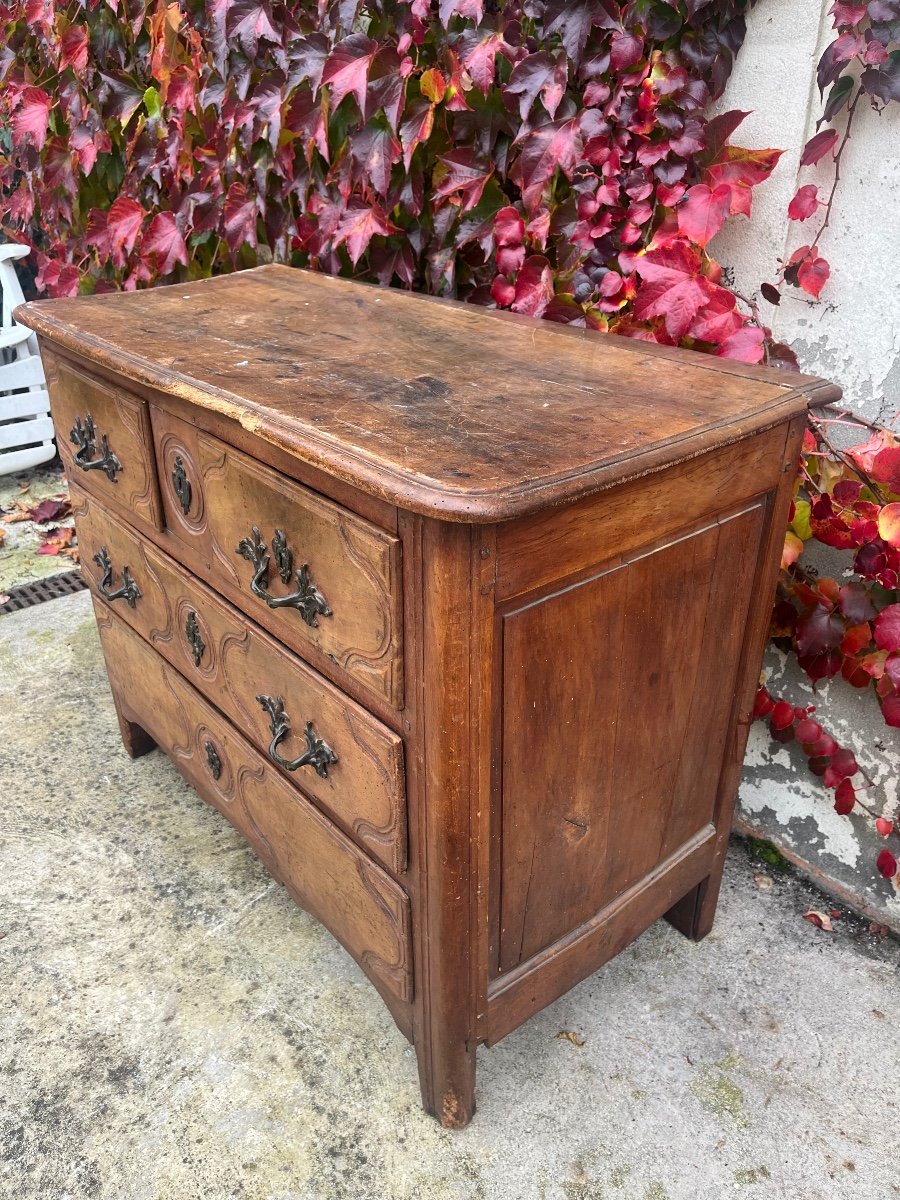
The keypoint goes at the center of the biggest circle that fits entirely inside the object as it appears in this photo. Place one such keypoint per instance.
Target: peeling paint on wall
(853, 338)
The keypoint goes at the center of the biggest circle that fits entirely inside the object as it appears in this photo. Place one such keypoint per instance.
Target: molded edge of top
(414, 492)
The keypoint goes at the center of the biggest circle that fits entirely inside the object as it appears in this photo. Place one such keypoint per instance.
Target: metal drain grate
(43, 589)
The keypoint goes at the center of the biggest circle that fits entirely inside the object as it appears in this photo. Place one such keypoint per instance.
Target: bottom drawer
(321, 868)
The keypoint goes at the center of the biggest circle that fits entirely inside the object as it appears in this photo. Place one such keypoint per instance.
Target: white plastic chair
(26, 431)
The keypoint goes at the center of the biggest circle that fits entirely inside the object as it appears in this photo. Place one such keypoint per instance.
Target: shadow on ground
(172, 1027)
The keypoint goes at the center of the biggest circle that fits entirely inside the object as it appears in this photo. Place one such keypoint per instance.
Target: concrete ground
(19, 540)
(172, 1027)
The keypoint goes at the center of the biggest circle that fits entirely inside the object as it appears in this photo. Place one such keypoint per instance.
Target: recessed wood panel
(119, 418)
(617, 696)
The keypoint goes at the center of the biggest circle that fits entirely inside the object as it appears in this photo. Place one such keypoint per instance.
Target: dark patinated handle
(83, 435)
(307, 599)
(318, 754)
(128, 591)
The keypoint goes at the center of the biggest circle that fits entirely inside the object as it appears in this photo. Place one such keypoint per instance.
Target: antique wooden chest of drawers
(456, 616)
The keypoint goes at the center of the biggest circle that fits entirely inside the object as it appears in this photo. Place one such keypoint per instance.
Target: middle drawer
(355, 769)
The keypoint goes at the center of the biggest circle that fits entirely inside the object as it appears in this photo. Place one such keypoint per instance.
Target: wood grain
(617, 698)
(361, 905)
(365, 789)
(439, 407)
(353, 563)
(125, 422)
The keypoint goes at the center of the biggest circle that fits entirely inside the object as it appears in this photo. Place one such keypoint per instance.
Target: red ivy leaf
(347, 69)
(890, 710)
(163, 239)
(32, 116)
(358, 225)
(810, 270)
(534, 286)
(889, 524)
(466, 174)
(74, 49)
(885, 467)
(805, 203)
(817, 147)
(886, 864)
(673, 286)
(818, 632)
(887, 628)
(123, 224)
(703, 212)
(239, 218)
(744, 345)
(844, 798)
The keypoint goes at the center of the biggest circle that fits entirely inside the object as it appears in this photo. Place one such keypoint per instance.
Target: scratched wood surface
(443, 408)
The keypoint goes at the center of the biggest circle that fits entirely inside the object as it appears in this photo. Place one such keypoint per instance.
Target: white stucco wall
(851, 336)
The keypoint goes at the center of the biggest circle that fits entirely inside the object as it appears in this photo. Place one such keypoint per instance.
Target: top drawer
(104, 440)
(323, 580)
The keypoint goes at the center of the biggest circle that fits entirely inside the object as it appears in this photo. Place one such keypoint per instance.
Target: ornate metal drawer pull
(181, 485)
(128, 591)
(307, 599)
(212, 760)
(84, 437)
(195, 641)
(318, 753)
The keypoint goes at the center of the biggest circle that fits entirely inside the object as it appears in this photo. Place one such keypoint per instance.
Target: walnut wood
(695, 914)
(628, 756)
(363, 907)
(364, 791)
(437, 407)
(353, 563)
(550, 557)
(124, 420)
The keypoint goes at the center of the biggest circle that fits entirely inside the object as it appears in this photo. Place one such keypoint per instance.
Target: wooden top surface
(443, 408)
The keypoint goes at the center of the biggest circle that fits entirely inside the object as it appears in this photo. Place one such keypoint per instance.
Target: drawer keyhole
(195, 641)
(212, 760)
(181, 485)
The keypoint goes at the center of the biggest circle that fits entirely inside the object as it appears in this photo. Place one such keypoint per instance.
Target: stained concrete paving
(172, 1027)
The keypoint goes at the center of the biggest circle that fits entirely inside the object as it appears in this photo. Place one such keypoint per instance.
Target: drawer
(104, 440)
(234, 664)
(322, 869)
(323, 580)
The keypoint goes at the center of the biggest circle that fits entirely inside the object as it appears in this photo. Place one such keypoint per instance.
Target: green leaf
(152, 102)
(800, 523)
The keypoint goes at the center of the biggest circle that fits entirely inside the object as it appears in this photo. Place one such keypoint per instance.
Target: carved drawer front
(330, 747)
(323, 580)
(325, 873)
(104, 440)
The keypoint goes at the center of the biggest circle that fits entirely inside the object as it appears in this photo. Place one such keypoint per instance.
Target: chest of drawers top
(442, 408)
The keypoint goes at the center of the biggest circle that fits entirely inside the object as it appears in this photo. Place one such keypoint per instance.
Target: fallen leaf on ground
(569, 1035)
(50, 510)
(18, 512)
(878, 930)
(819, 918)
(4, 599)
(56, 540)
(2, 536)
